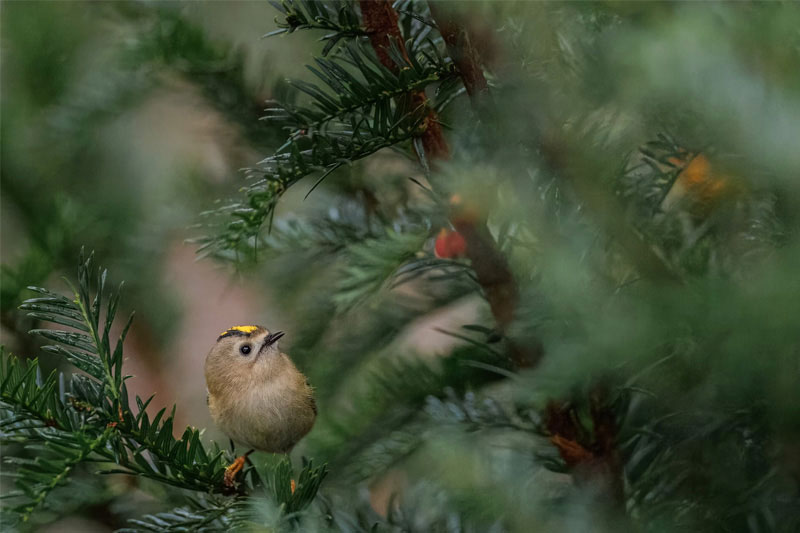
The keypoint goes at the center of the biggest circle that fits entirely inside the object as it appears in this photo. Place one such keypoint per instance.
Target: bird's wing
(311, 396)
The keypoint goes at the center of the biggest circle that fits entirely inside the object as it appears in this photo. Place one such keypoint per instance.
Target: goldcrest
(255, 393)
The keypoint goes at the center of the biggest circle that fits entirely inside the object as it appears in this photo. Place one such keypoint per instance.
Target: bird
(256, 395)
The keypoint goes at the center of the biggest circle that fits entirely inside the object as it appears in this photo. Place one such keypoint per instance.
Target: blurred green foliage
(637, 167)
(74, 74)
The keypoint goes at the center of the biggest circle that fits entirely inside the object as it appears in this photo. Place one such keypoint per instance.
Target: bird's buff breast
(264, 419)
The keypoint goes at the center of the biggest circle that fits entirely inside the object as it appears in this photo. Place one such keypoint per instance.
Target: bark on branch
(593, 456)
(380, 22)
(463, 52)
(491, 268)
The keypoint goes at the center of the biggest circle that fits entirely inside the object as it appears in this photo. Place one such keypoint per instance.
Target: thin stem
(104, 358)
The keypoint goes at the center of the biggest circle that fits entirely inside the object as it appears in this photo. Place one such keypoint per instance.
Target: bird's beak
(272, 338)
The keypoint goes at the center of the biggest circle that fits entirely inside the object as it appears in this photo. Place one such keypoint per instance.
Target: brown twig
(380, 22)
(463, 52)
(491, 268)
(592, 455)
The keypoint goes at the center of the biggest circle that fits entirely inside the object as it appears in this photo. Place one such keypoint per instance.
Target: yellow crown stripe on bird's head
(238, 330)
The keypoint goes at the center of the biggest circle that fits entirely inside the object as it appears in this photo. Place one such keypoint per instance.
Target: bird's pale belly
(265, 420)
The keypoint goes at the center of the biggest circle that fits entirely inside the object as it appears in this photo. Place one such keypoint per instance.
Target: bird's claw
(233, 469)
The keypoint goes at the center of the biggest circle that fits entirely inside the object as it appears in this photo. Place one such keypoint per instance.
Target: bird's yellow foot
(292, 485)
(233, 470)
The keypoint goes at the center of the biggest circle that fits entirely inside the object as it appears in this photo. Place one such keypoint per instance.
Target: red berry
(449, 245)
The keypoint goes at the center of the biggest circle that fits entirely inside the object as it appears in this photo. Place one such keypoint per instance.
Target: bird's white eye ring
(245, 349)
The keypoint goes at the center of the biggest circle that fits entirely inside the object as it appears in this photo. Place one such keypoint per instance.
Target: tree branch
(380, 21)
(591, 454)
(595, 458)
(463, 52)
(491, 268)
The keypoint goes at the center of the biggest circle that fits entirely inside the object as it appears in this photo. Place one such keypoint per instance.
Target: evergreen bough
(87, 418)
(678, 421)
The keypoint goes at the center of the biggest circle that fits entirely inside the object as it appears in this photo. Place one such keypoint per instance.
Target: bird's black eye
(245, 349)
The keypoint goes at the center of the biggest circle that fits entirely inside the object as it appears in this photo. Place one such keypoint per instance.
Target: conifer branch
(280, 171)
(336, 16)
(67, 465)
(378, 432)
(381, 23)
(605, 208)
(355, 115)
(203, 515)
(347, 93)
(89, 418)
(463, 53)
(491, 268)
(603, 463)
